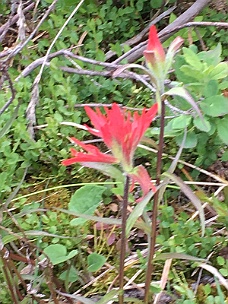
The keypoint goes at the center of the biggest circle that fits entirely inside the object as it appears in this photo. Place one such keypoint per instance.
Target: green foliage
(95, 262)
(70, 243)
(85, 201)
(58, 253)
(205, 76)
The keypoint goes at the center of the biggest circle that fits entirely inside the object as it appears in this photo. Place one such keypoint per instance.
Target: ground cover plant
(138, 212)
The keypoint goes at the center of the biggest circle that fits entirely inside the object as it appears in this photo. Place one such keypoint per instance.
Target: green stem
(152, 242)
(123, 241)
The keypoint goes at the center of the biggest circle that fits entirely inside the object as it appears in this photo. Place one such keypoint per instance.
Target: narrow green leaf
(176, 255)
(8, 124)
(137, 212)
(106, 220)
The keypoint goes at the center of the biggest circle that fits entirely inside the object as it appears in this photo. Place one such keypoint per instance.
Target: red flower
(93, 155)
(121, 132)
(154, 52)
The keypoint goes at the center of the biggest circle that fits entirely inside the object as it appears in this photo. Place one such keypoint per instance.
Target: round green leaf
(202, 125)
(181, 122)
(57, 253)
(215, 106)
(190, 142)
(69, 275)
(85, 201)
(95, 261)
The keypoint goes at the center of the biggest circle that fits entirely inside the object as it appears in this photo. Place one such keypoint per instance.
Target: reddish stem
(123, 242)
(155, 207)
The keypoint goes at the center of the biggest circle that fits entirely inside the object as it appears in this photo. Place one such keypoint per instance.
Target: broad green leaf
(95, 261)
(204, 125)
(215, 106)
(192, 58)
(190, 142)
(156, 3)
(181, 122)
(211, 88)
(57, 253)
(70, 275)
(212, 57)
(191, 195)
(191, 72)
(222, 128)
(219, 71)
(85, 200)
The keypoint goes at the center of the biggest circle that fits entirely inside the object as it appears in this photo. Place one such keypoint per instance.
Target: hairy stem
(155, 207)
(123, 240)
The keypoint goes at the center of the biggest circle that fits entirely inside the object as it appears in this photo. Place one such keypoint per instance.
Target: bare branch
(4, 28)
(136, 52)
(12, 52)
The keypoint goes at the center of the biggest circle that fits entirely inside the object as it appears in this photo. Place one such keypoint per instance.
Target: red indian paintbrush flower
(157, 61)
(121, 133)
(154, 52)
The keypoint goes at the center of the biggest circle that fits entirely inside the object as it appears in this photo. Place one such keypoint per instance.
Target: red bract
(154, 52)
(121, 132)
(93, 155)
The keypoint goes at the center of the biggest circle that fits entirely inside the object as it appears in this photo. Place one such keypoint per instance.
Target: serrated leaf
(95, 261)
